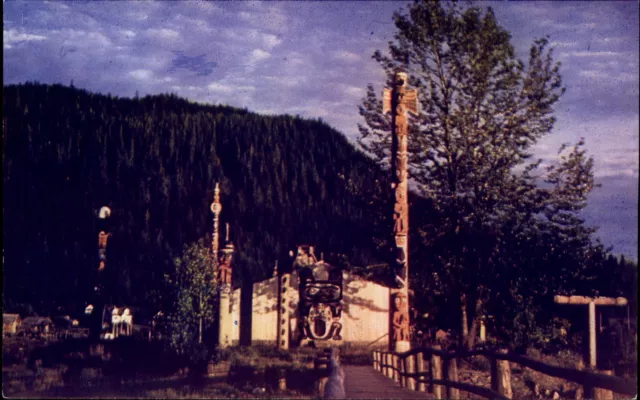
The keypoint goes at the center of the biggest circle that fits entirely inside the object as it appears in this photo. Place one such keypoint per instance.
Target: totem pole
(398, 100)
(222, 273)
(216, 208)
(99, 287)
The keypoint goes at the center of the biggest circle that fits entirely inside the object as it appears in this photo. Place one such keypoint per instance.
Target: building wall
(264, 316)
(365, 315)
(234, 311)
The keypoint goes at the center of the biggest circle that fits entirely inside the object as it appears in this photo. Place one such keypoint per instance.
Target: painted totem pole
(222, 273)
(99, 287)
(216, 208)
(399, 100)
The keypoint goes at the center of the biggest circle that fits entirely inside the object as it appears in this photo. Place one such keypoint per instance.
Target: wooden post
(411, 369)
(399, 100)
(582, 390)
(403, 370)
(483, 330)
(396, 374)
(452, 376)
(501, 375)
(603, 394)
(436, 369)
(282, 380)
(376, 363)
(385, 361)
(420, 369)
(592, 302)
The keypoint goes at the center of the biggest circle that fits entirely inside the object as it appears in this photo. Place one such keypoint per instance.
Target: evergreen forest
(155, 161)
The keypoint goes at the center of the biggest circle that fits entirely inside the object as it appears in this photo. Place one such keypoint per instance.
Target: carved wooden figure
(224, 268)
(400, 320)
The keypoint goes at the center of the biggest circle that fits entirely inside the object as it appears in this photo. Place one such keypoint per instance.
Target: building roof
(33, 321)
(10, 318)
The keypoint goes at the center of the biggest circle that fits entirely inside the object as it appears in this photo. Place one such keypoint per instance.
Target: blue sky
(314, 59)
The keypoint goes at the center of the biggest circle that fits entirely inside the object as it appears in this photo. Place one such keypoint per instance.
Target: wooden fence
(409, 370)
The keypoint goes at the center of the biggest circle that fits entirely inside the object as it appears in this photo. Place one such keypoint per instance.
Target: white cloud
(163, 33)
(289, 81)
(253, 37)
(352, 91)
(595, 53)
(141, 74)
(128, 33)
(345, 56)
(563, 44)
(610, 40)
(609, 75)
(228, 88)
(256, 57)
(259, 55)
(13, 36)
(207, 6)
(267, 15)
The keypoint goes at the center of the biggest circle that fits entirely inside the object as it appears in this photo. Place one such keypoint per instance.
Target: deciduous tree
(482, 110)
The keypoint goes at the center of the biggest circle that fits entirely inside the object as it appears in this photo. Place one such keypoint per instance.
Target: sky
(313, 59)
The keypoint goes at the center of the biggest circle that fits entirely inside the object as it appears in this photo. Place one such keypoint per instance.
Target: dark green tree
(194, 289)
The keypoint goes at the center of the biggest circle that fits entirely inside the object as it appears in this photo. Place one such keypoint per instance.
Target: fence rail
(409, 370)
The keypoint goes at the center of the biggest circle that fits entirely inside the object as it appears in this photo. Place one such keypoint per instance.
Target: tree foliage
(193, 292)
(502, 233)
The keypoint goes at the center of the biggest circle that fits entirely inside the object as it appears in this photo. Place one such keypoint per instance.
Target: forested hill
(155, 161)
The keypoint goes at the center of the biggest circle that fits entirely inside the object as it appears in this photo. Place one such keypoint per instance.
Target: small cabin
(38, 325)
(10, 324)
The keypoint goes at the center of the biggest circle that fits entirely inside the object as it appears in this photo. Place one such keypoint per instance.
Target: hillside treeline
(155, 162)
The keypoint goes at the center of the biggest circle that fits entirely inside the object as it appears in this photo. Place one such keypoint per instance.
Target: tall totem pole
(222, 273)
(99, 294)
(399, 100)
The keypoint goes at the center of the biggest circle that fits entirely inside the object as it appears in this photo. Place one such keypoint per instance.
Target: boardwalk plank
(364, 382)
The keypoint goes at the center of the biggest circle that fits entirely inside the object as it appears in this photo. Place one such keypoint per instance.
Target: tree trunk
(471, 338)
(465, 322)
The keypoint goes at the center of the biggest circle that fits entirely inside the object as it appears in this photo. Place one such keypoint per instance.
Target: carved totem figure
(102, 248)
(320, 302)
(399, 100)
(224, 267)
(400, 318)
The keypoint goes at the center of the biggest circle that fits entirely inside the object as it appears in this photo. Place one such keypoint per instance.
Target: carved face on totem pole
(320, 302)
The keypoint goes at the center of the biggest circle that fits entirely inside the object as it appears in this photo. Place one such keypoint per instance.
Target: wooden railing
(409, 370)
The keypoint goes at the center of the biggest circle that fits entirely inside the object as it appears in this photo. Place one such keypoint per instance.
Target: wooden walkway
(364, 382)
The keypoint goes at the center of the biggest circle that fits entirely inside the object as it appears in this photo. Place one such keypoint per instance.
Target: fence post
(420, 369)
(411, 369)
(403, 370)
(375, 358)
(452, 376)
(603, 394)
(389, 363)
(436, 372)
(396, 374)
(501, 375)
(383, 358)
(580, 391)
